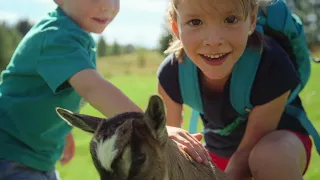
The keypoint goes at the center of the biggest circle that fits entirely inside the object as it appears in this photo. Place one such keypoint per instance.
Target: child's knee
(278, 149)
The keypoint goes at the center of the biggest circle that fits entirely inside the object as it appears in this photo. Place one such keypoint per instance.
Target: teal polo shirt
(36, 82)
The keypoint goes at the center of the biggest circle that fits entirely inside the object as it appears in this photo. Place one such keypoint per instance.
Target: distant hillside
(145, 62)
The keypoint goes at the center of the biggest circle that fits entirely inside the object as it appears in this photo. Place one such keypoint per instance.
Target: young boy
(53, 66)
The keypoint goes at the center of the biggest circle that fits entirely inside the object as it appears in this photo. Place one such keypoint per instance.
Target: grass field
(139, 84)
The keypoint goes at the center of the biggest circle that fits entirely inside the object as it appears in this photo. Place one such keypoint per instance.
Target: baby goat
(136, 146)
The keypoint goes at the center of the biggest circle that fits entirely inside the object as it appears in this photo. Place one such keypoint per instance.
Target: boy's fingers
(64, 160)
(69, 150)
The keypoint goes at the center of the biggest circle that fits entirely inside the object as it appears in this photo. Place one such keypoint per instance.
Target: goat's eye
(140, 159)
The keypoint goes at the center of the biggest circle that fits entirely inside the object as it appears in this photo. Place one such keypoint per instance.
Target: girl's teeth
(214, 56)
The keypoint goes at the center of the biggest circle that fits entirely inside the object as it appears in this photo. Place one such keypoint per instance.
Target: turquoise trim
(243, 76)
(190, 90)
(194, 121)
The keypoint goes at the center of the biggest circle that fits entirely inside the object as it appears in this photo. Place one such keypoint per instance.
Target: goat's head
(130, 145)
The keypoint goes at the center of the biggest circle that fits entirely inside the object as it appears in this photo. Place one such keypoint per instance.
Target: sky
(139, 22)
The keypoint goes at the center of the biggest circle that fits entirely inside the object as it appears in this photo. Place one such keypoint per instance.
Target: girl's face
(213, 34)
(91, 15)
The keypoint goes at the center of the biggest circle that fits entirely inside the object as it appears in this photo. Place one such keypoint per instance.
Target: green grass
(139, 84)
(311, 100)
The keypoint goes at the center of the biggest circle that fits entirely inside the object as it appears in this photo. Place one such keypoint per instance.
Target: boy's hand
(69, 150)
(190, 143)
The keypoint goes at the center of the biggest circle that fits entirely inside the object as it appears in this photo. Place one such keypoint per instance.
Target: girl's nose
(213, 39)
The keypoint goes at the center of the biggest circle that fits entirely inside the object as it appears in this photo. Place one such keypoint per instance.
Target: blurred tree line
(10, 36)
(114, 49)
(307, 10)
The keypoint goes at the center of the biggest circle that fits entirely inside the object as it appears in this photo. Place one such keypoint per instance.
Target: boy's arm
(262, 120)
(101, 94)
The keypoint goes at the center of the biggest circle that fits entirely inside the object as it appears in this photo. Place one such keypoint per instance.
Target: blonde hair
(246, 7)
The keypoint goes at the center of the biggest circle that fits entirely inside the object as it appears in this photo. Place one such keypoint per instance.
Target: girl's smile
(215, 60)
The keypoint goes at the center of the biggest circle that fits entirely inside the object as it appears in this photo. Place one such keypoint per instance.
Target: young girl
(214, 35)
(53, 66)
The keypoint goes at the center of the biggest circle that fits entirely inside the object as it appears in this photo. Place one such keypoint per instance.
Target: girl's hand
(69, 150)
(190, 143)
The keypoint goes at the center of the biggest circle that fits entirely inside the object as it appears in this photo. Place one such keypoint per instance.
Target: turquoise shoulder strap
(243, 75)
(190, 90)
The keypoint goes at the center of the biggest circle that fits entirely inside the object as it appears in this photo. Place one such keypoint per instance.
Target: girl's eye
(231, 19)
(195, 22)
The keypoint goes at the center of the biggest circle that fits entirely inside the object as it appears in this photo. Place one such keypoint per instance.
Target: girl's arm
(101, 94)
(173, 109)
(263, 119)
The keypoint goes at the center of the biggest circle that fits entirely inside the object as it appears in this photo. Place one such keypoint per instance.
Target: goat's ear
(155, 118)
(84, 122)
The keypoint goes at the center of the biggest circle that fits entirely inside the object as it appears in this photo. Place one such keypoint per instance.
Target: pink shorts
(305, 139)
